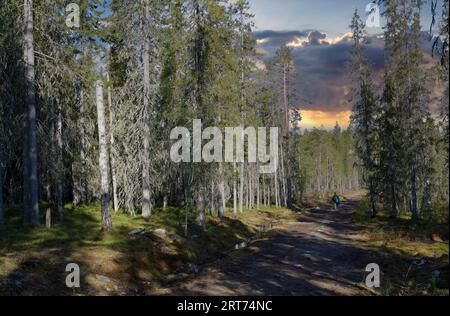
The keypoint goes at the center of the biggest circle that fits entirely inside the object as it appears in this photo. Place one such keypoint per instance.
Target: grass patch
(33, 260)
(411, 252)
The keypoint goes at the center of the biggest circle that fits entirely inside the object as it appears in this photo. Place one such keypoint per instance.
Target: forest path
(320, 254)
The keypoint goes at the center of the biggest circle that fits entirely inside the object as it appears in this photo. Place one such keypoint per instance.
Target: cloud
(322, 62)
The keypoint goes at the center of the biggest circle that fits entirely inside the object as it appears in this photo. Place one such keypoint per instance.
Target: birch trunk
(60, 174)
(146, 187)
(30, 99)
(201, 216)
(112, 159)
(103, 159)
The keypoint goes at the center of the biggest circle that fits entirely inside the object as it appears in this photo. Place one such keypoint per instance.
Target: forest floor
(316, 251)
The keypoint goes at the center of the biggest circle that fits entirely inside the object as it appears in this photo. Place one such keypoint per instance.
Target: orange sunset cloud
(311, 118)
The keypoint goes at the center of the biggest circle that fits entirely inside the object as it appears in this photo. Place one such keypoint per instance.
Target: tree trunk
(395, 210)
(165, 201)
(112, 158)
(26, 183)
(186, 214)
(235, 210)
(48, 219)
(283, 178)
(60, 173)
(276, 189)
(287, 172)
(241, 188)
(258, 191)
(146, 180)
(103, 159)
(414, 211)
(223, 202)
(79, 181)
(373, 203)
(247, 187)
(201, 216)
(264, 190)
(30, 100)
(213, 198)
(2, 218)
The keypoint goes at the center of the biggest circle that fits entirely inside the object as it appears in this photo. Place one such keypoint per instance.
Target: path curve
(320, 254)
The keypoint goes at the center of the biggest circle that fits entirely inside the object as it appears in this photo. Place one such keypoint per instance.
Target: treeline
(86, 113)
(401, 143)
(328, 162)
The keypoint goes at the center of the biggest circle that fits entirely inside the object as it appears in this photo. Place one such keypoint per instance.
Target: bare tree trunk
(234, 190)
(258, 191)
(186, 214)
(264, 190)
(79, 182)
(222, 204)
(146, 181)
(201, 216)
(103, 159)
(31, 110)
(283, 177)
(414, 212)
(26, 171)
(373, 203)
(2, 218)
(165, 201)
(241, 188)
(252, 188)
(247, 187)
(277, 200)
(60, 174)
(213, 198)
(112, 158)
(287, 173)
(394, 203)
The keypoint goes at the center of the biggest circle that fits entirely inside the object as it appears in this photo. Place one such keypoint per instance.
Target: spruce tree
(365, 111)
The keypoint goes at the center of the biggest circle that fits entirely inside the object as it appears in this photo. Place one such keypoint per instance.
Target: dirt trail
(320, 254)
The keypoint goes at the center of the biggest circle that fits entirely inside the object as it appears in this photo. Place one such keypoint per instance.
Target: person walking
(336, 201)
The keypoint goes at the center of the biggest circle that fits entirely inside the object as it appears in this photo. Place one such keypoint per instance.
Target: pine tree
(365, 110)
(405, 113)
(285, 65)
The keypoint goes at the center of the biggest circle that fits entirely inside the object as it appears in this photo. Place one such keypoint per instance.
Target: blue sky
(329, 16)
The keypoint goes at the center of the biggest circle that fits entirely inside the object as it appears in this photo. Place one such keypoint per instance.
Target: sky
(330, 16)
(318, 33)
